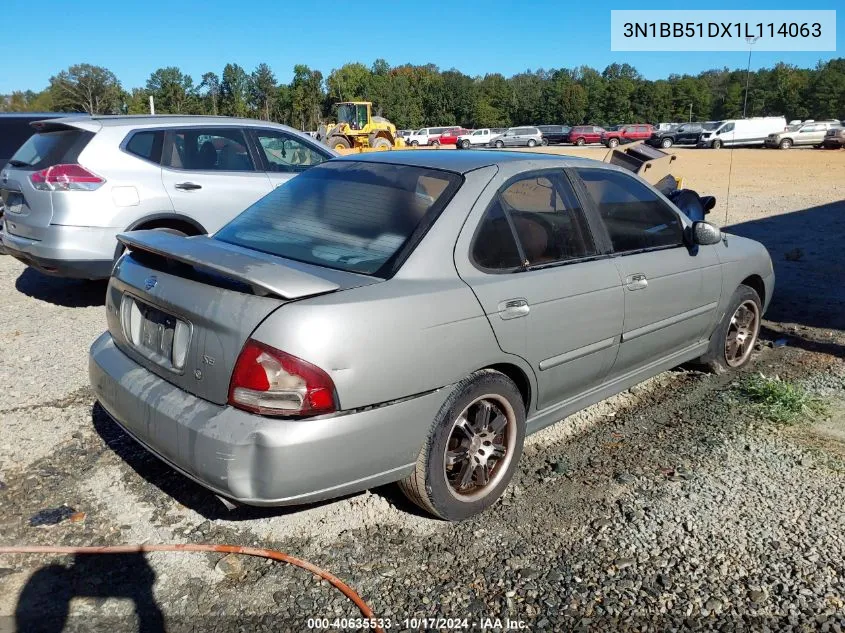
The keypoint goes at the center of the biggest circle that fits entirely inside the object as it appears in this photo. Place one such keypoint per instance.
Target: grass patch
(779, 400)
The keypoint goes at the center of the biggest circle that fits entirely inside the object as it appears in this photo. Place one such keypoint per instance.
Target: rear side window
(207, 149)
(635, 217)
(146, 145)
(51, 148)
(543, 214)
(355, 216)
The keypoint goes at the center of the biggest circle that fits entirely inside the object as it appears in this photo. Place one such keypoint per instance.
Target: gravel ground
(673, 505)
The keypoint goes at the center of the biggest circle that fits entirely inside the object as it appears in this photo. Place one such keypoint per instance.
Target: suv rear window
(350, 215)
(13, 133)
(51, 148)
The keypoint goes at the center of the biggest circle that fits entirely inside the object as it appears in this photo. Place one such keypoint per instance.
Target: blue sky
(135, 38)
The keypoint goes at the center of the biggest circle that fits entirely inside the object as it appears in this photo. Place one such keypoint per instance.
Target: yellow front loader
(357, 128)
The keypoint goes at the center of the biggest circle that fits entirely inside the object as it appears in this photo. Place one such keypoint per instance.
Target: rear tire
(733, 340)
(545, 142)
(472, 449)
(465, 144)
(532, 142)
(435, 143)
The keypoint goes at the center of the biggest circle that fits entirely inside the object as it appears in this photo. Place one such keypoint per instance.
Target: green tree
(234, 91)
(86, 88)
(172, 90)
(307, 97)
(264, 91)
(211, 84)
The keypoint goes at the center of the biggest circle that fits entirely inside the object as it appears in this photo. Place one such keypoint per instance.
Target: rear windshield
(50, 148)
(350, 215)
(12, 135)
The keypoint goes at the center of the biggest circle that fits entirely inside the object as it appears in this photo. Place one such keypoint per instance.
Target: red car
(450, 136)
(583, 134)
(627, 134)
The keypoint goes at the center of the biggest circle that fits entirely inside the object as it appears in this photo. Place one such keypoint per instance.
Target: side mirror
(705, 234)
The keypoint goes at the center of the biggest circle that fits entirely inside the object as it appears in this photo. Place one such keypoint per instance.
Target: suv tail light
(271, 382)
(67, 177)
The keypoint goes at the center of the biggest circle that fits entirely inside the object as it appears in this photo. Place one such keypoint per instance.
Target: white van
(425, 135)
(742, 132)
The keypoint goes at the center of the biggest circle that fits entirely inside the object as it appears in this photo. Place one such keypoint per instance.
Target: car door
(284, 155)
(550, 293)
(812, 134)
(671, 291)
(727, 133)
(211, 173)
(690, 134)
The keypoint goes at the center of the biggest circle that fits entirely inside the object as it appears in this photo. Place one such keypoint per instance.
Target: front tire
(666, 143)
(415, 143)
(735, 336)
(472, 449)
(786, 143)
(613, 143)
(338, 142)
(500, 144)
(717, 144)
(545, 142)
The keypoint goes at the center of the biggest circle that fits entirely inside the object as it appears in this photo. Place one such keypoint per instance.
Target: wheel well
(185, 226)
(755, 282)
(519, 378)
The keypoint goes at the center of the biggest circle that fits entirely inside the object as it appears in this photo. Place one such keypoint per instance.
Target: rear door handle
(636, 282)
(514, 308)
(188, 186)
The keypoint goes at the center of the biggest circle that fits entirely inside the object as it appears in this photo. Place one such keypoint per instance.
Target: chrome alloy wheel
(480, 447)
(742, 333)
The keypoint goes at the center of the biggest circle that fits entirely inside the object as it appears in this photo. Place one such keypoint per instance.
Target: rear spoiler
(266, 274)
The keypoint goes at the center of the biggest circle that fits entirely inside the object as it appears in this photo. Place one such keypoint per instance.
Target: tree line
(414, 96)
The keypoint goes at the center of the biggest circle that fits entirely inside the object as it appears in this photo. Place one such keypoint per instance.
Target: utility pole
(690, 113)
(152, 105)
(751, 41)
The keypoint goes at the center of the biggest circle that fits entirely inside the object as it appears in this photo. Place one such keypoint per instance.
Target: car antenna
(728, 195)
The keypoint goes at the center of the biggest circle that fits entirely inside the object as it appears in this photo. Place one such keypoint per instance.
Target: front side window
(286, 153)
(355, 216)
(206, 149)
(543, 217)
(728, 127)
(635, 217)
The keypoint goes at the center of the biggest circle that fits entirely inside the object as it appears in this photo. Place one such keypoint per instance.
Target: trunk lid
(197, 300)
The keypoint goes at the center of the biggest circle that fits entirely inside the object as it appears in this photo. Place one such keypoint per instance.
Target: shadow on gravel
(808, 253)
(173, 483)
(45, 600)
(68, 293)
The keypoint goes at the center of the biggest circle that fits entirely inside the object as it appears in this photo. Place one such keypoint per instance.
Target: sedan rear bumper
(257, 460)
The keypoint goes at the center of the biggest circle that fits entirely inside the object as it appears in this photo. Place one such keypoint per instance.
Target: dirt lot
(676, 504)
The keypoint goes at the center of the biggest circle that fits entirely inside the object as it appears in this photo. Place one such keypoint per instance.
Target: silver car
(410, 316)
(518, 137)
(810, 133)
(77, 183)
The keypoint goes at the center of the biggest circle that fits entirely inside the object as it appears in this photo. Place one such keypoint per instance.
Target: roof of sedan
(464, 161)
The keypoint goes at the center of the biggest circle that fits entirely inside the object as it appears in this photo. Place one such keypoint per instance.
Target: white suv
(425, 136)
(79, 181)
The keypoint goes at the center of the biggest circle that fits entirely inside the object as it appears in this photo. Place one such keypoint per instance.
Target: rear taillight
(65, 178)
(271, 382)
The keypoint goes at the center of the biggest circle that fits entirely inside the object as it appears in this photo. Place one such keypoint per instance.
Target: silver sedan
(409, 317)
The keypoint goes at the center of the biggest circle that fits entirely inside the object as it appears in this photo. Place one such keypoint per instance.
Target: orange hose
(345, 589)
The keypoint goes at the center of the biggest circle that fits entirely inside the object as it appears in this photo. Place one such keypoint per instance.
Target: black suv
(554, 133)
(684, 134)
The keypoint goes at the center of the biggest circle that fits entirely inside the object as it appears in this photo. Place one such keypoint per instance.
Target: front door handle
(636, 282)
(514, 308)
(188, 186)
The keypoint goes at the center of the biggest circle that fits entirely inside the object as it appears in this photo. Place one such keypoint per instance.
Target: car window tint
(635, 217)
(144, 144)
(286, 153)
(494, 246)
(46, 149)
(350, 215)
(13, 134)
(210, 149)
(548, 221)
